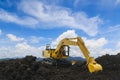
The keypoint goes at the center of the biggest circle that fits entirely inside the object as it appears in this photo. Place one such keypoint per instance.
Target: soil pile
(30, 69)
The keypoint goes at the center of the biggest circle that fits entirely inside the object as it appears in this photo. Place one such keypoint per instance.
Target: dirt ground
(29, 69)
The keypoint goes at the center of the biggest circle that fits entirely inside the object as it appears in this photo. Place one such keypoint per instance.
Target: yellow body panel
(51, 54)
(46, 53)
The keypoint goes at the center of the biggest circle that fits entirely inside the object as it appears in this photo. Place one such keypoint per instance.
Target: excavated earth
(29, 69)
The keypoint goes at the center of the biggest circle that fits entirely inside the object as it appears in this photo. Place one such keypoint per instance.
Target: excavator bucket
(93, 66)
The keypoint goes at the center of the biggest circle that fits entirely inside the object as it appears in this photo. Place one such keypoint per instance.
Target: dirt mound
(30, 69)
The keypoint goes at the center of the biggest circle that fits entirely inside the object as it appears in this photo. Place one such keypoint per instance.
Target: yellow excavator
(62, 52)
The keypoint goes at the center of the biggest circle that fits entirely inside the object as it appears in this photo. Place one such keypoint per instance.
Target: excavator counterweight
(62, 52)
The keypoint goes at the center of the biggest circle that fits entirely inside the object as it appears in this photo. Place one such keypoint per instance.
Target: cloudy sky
(26, 26)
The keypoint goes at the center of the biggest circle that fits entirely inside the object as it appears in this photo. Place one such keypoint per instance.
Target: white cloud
(96, 46)
(23, 45)
(100, 4)
(14, 38)
(4, 52)
(20, 50)
(50, 16)
(117, 2)
(111, 29)
(34, 39)
(67, 34)
(0, 31)
(81, 3)
(23, 49)
(118, 44)
(93, 45)
(108, 4)
(12, 17)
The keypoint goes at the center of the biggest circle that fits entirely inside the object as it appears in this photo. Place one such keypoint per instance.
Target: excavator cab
(64, 51)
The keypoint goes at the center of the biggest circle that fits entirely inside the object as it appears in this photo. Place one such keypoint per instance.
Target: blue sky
(27, 25)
